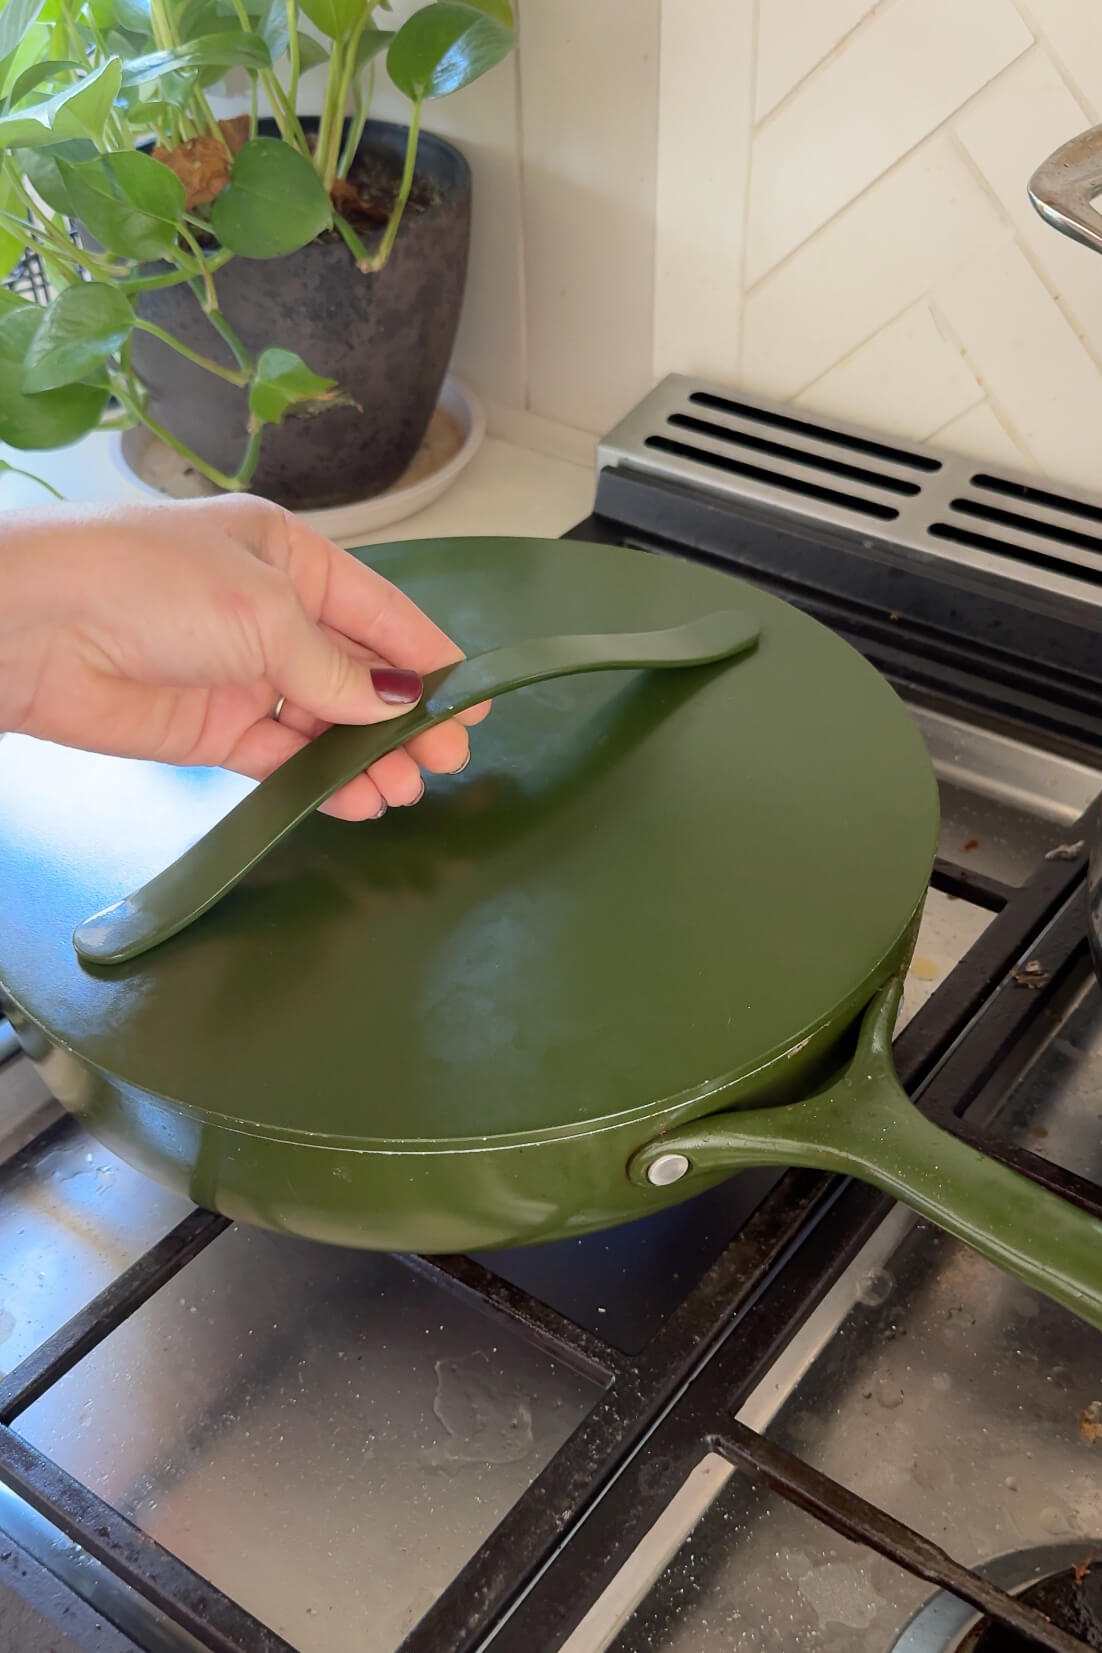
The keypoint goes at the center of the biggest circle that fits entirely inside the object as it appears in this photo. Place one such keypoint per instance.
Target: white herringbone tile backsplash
(821, 199)
(895, 271)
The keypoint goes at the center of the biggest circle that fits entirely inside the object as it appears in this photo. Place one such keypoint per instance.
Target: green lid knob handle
(200, 877)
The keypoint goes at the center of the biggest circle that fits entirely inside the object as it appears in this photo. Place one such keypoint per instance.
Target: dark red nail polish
(395, 687)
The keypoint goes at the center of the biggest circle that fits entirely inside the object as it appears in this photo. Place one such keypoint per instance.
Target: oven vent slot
(897, 501)
(794, 484)
(1046, 540)
(820, 433)
(1026, 492)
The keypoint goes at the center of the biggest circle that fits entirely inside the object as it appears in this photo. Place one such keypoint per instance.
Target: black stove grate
(555, 1551)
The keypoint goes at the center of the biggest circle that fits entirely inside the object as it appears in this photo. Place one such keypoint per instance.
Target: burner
(1062, 1581)
(1071, 1599)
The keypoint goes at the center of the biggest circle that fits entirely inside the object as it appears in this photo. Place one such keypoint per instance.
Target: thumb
(313, 671)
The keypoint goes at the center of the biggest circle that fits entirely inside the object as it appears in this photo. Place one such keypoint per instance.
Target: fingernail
(464, 764)
(379, 813)
(396, 688)
(418, 798)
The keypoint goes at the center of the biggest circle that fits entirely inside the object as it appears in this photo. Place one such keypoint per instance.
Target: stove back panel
(910, 508)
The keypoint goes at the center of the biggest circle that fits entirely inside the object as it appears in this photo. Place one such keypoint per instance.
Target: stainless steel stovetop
(328, 1438)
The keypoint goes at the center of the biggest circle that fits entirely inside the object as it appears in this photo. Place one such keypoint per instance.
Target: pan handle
(865, 1125)
(220, 859)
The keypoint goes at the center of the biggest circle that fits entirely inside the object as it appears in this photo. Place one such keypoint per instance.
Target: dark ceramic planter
(386, 338)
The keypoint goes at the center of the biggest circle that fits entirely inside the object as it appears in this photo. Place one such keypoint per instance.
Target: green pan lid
(645, 885)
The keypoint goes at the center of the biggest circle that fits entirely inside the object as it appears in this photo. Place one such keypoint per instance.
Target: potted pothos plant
(275, 296)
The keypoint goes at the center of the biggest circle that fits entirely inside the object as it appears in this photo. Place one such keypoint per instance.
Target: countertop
(506, 489)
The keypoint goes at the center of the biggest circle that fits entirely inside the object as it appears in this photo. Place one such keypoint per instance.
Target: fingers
(310, 667)
(358, 602)
(265, 745)
(398, 779)
(444, 750)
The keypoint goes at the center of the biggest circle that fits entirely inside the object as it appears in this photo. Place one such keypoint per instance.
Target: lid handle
(201, 876)
(1063, 188)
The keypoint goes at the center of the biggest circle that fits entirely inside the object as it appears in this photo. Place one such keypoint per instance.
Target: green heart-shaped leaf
(12, 243)
(15, 19)
(82, 329)
(36, 44)
(370, 44)
(443, 47)
(231, 49)
(272, 28)
(196, 17)
(51, 69)
(52, 419)
(501, 9)
(78, 111)
(129, 202)
(41, 167)
(311, 52)
(336, 18)
(131, 15)
(274, 204)
(148, 185)
(281, 380)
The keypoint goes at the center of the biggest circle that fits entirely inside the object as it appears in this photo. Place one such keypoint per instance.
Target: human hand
(171, 632)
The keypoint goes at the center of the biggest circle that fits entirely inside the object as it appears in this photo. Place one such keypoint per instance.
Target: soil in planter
(367, 196)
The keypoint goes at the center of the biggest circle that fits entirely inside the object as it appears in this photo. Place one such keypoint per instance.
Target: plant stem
(243, 474)
(207, 119)
(228, 336)
(226, 333)
(282, 103)
(42, 222)
(119, 135)
(352, 242)
(164, 38)
(233, 376)
(399, 207)
(119, 421)
(293, 53)
(175, 278)
(254, 111)
(29, 476)
(332, 82)
(41, 237)
(210, 300)
(361, 104)
(330, 154)
(232, 484)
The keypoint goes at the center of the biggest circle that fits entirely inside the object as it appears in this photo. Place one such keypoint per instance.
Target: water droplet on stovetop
(486, 1420)
(875, 1288)
(890, 1395)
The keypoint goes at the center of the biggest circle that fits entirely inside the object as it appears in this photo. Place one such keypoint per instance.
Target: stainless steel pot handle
(1063, 189)
(210, 868)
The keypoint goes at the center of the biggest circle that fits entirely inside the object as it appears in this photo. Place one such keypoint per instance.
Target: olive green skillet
(655, 932)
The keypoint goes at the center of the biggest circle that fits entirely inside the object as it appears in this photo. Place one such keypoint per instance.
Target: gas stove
(786, 1414)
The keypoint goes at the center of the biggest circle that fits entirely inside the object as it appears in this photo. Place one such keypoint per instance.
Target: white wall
(823, 199)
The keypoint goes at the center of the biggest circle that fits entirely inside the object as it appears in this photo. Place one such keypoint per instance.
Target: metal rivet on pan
(667, 1168)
